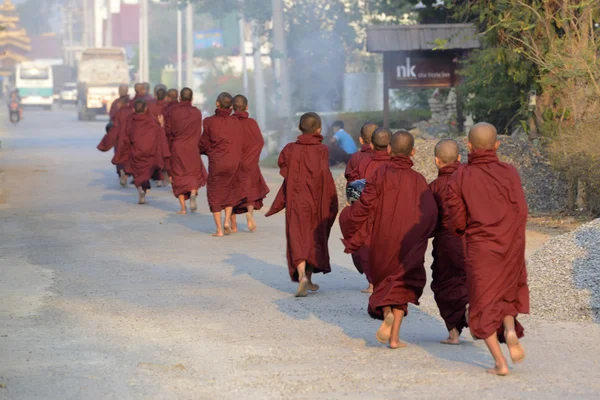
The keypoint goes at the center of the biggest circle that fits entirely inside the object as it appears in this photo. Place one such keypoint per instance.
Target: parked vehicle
(68, 94)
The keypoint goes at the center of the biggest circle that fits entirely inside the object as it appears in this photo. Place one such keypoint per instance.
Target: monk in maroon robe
(449, 284)
(253, 186)
(114, 107)
(486, 203)
(366, 150)
(222, 144)
(379, 156)
(122, 149)
(155, 107)
(187, 170)
(397, 210)
(309, 196)
(148, 146)
(171, 101)
(112, 138)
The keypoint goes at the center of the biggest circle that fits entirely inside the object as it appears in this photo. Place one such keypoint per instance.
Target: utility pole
(281, 67)
(258, 78)
(189, 46)
(243, 47)
(108, 33)
(179, 51)
(85, 10)
(144, 67)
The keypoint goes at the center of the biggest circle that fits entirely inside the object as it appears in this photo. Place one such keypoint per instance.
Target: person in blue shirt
(342, 144)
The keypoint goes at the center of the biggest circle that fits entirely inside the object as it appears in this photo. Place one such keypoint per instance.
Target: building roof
(383, 38)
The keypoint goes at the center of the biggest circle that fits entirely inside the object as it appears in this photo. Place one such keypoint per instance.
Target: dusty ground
(102, 298)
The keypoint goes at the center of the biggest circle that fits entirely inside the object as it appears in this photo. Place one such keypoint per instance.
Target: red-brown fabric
(486, 203)
(147, 98)
(148, 145)
(368, 165)
(309, 196)
(222, 143)
(398, 212)
(252, 184)
(186, 166)
(351, 173)
(155, 108)
(166, 112)
(123, 144)
(114, 107)
(449, 283)
(360, 257)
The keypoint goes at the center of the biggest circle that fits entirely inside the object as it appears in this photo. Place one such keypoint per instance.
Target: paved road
(102, 298)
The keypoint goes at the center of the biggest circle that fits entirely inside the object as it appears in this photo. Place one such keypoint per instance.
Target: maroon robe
(222, 144)
(166, 113)
(366, 166)
(147, 98)
(148, 145)
(398, 211)
(114, 107)
(309, 195)
(449, 284)
(123, 144)
(351, 173)
(186, 167)
(486, 203)
(155, 108)
(253, 186)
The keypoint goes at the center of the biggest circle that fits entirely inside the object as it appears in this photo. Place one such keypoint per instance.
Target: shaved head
(146, 87)
(139, 106)
(381, 138)
(225, 100)
(240, 103)
(186, 94)
(483, 136)
(403, 143)
(172, 94)
(161, 93)
(310, 123)
(447, 151)
(158, 87)
(366, 132)
(139, 88)
(123, 90)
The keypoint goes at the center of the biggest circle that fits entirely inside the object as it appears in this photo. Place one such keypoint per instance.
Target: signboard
(404, 69)
(208, 39)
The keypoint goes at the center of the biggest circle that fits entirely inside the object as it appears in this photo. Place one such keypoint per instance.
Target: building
(15, 43)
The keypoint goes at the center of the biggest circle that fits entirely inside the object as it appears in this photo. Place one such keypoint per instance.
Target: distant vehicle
(100, 72)
(14, 112)
(35, 84)
(68, 94)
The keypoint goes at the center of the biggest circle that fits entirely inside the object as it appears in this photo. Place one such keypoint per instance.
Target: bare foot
(453, 338)
(227, 229)
(396, 344)
(500, 370)
(385, 330)
(517, 353)
(218, 234)
(368, 290)
(159, 184)
(313, 287)
(123, 179)
(182, 211)
(302, 287)
(251, 223)
(234, 227)
(142, 199)
(193, 204)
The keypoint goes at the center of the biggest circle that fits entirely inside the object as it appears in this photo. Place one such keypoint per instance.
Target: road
(101, 298)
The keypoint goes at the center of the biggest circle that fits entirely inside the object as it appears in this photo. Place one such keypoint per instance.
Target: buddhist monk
(155, 107)
(123, 94)
(308, 194)
(253, 185)
(449, 284)
(187, 171)
(114, 136)
(221, 143)
(366, 134)
(363, 170)
(398, 211)
(148, 146)
(486, 204)
(147, 96)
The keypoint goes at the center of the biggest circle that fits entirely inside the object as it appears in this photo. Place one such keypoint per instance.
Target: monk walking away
(308, 194)
(187, 171)
(379, 156)
(449, 284)
(114, 107)
(253, 186)
(222, 143)
(366, 151)
(398, 212)
(148, 146)
(486, 204)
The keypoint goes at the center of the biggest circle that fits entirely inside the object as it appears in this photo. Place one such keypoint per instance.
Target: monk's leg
(142, 195)
(517, 353)
(123, 178)
(193, 203)
(395, 342)
(234, 227)
(302, 280)
(385, 330)
(453, 337)
(183, 210)
(250, 219)
(313, 287)
(227, 225)
(219, 224)
(369, 289)
(166, 178)
(501, 367)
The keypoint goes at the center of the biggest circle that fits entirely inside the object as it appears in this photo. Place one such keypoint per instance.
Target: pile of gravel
(564, 276)
(545, 189)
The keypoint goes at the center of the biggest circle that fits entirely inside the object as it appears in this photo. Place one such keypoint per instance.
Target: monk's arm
(282, 162)
(455, 209)
(204, 143)
(358, 218)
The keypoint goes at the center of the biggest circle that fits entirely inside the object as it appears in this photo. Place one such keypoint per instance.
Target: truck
(100, 72)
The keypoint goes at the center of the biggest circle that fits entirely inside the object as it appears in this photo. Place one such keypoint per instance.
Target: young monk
(397, 210)
(170, 101)
(253, 185)
(222, 144)
(148, 146)
(366, 151)
(365, 167)
(114, 107)
(309, 196)
(486, 204)
(155, 107)
(449, 284)
(186, 168)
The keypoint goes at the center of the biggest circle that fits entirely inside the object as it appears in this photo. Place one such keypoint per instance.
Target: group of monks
(163, 137)
(475, 212)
